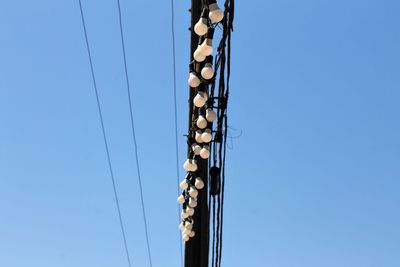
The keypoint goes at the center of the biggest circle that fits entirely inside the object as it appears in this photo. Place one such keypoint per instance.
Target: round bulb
(199, 184)
(193, 80)
(206, 136)
(216, 14)
(196, 149)
(193, 165)
(193, 192)
(185, 238)
(182, 226)
(184, 185)
(191, 234)
(200, 28)
(211, 115)
(207, 72)
(188, 225)
(184, 215)
(205, 152)
(193, 202)
(201, 122)
(190, 211)
(198, 56)
(200, 99)
(197, 137)
(206, 47)
(181, 199)
(187, 165)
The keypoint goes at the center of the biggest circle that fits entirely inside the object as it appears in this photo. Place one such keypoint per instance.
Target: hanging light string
(134, 139)
(105, 138)
(176, 116)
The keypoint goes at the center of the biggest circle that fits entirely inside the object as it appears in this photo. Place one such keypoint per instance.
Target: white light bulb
(196, 149)
(194, 165)
(184, 214)
(193, 80)
(200, 99)
(181, 199)
(193, 191)
(187, 165)
(205, 152)
(216, 14)
(192, 234)
(206, 136)
(198, 56)
(184, 185)
(182, 226)
(188, 225)
(201, 122)
(211, 115)
(192, 202)
(206, 47)
(200, 28)
(207, 71)
(199, 184)
(190, 211)
(197, 137)
(185, 238)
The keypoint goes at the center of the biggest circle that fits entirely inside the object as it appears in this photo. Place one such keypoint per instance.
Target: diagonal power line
(176, 118)
(105, 137)
(133, 131)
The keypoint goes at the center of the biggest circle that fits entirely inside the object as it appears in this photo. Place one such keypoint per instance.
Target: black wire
(133, 132)
(105, 137)
(176, 118)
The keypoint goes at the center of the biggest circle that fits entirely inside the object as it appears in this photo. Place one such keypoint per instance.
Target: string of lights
(175, 114)
(114, 185)
(134, 139)
(211, 90)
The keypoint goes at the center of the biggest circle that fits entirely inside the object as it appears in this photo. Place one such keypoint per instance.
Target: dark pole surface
(197, 248)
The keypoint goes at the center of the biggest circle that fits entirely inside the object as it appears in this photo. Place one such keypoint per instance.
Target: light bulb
(184, 185)
(193, 191)
(181, 199)
(201, 122)
(199, 184)
(182, 226)
(190, 211)
(187, 165)
(205, 152)
(193, 80)
(197, 137)
(215, 14)
(192, 233)
(200, 28)
(198, 56)
(188, 225)
(207, 71)
(194, 165)
(200, 99)
(211, 115)
(196, 149)
(193, 202)
(185, 238)
(206, 47)
(206, 136)
(184, 214)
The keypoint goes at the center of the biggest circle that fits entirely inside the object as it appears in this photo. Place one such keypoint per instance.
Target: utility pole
(197, 248)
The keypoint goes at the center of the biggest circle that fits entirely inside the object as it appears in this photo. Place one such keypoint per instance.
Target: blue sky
(313, 180)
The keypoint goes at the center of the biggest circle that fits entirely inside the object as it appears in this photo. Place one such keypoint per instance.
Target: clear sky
(313, 180)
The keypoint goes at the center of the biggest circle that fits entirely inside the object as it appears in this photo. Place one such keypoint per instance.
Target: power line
(176, 117)
(105, 137)
(133, 131)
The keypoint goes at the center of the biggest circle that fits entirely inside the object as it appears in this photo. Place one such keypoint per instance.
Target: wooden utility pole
(197, 248)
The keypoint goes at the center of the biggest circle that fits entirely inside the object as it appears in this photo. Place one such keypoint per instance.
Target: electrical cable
(176, 117)
(105, 137)
(133, 132)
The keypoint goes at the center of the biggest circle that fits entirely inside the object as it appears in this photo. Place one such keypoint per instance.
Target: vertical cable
(176, 117)
(105, 137)
(133, 132)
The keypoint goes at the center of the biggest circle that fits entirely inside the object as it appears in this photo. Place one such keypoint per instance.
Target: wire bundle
(205, 142)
